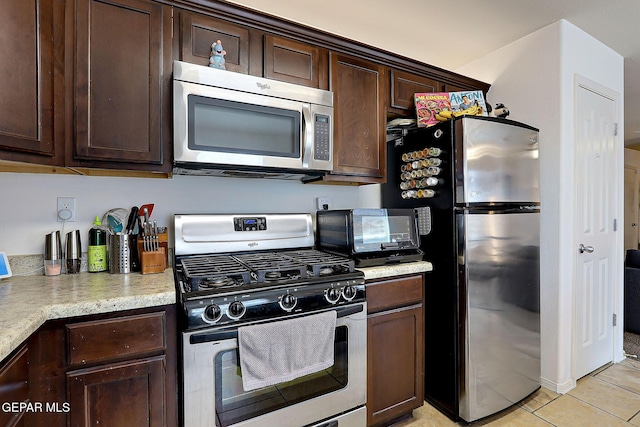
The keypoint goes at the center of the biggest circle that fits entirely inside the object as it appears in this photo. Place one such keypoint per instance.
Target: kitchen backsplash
(30, 202)
(32, 265)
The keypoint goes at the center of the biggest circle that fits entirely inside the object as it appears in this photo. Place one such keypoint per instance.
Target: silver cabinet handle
(582, 249)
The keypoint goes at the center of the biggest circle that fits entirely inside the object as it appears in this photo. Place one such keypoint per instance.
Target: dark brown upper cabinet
(360, 92)
(121, 89)
(295, 62)
(198, 32)
(404, 85)
(31, 81)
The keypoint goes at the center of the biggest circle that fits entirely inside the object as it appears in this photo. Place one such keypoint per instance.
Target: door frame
(618, 182)
(634, 205)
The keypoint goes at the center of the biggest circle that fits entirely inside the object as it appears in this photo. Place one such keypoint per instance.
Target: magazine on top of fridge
(435, 107)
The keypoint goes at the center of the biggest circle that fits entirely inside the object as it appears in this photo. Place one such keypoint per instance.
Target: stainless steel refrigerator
(475, 180)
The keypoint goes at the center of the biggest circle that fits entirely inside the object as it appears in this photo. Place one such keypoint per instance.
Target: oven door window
(236, 127)
(234, 405)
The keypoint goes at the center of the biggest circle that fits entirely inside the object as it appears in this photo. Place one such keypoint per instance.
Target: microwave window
(380, 230)
(236, 127)
(375, 229)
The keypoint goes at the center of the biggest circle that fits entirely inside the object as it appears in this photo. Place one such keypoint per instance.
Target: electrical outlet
(323, 203)
(66, 209)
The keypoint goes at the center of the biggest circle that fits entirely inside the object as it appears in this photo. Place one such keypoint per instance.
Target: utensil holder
(153, 261)
(120, 253)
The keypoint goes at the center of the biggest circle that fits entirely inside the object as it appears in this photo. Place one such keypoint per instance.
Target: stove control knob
(349, 292)
(236, 310)
(332, 295)
(288, 302)
(211, 313)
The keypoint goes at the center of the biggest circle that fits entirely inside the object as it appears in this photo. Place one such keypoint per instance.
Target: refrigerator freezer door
(499, 264)
(496, 162)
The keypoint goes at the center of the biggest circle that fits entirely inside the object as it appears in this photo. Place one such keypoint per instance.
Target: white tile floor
(607, 397)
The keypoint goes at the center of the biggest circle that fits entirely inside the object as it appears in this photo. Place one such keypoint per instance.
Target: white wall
(29, 201)
(631, 160)
(632, 157)
(534, 78)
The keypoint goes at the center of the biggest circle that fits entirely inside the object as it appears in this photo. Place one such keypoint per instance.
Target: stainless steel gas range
(237, 273)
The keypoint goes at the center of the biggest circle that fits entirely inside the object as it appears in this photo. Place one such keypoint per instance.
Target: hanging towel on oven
(281, 351)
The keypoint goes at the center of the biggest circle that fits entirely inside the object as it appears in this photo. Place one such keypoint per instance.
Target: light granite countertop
(381, 272)
(26, 302)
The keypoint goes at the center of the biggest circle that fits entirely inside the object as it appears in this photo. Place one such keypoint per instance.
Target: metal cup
(53, 246)
(120, 253)
(73, 252)
(52, 254)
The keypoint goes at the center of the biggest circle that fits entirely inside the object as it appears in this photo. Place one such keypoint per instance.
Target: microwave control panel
(321, 137)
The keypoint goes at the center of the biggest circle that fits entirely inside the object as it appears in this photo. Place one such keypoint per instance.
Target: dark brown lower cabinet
(124, 394)
(395, 354)
(116, 369)
(14, 388)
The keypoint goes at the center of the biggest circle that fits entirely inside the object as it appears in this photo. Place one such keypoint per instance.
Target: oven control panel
(241, 307)
(258, 223)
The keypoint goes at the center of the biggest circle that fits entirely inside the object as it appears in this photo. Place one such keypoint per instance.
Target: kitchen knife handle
(131, 222)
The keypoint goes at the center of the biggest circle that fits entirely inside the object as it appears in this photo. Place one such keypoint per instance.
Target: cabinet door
(31, 81)
(394, 363)
(126, 394)
(199, 32)
(122, 65)
(404, 85)
(14, 389)
(295, 62)
(360, 89)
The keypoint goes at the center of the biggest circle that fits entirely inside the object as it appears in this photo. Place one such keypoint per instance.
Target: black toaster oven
(371, 237)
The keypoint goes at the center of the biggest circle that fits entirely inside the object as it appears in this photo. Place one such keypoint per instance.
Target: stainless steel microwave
(233, 124)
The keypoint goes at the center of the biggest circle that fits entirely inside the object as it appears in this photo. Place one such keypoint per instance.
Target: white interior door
(630, 207)
(595, 213)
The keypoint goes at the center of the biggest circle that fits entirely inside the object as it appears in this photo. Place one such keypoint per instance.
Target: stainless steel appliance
(370, 236)
(234, 271)
(232, 124)
(482, 300)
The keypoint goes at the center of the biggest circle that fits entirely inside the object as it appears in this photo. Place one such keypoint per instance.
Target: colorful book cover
(430, 104)
(435, 107)
(464, 100)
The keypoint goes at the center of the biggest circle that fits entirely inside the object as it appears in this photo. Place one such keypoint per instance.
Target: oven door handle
(233, 334)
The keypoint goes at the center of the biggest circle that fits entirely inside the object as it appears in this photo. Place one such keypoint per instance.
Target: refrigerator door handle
(588, 249)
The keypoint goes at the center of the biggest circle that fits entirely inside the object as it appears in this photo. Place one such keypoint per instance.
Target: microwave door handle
(307, 135)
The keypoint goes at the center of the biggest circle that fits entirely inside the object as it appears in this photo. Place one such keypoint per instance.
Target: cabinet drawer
(101, 340)
(13, 385)
(396, 292)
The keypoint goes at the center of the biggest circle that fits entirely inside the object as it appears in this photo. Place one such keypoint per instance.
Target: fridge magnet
(216, 58)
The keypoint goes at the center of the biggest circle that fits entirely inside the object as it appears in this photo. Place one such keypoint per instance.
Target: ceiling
(412, 28)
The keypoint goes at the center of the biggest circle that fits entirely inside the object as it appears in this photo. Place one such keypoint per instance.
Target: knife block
(153, 261)
(163, 239)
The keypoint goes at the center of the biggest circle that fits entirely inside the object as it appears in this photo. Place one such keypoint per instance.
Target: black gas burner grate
(271, 267)
(212, 272)
(321, 263)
